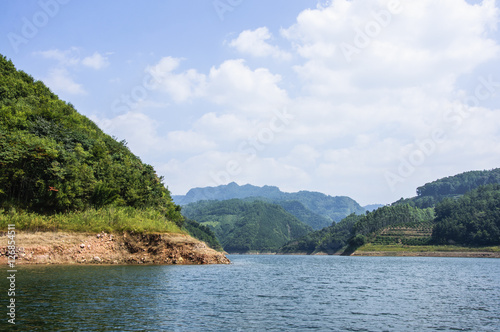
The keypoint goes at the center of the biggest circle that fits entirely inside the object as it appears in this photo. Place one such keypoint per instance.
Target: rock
(97, 259)
(82, 245)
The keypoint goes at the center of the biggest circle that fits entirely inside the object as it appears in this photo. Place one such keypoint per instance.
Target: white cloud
(60, 80)
(232, 85)
(181, 87)
(139, 130)
(60, 77)
(96, 61)
(66, 58)
(235, 85)
(354, 121)
(254, 43)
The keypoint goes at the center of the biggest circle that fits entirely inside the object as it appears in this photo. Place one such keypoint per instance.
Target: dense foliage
(52, 159)
(460, 183)
(304, 214)
(434, 192)
(328, 207)
(244, 226)
(390, 216)
(329, 239)
(202, 233)
(473, 219)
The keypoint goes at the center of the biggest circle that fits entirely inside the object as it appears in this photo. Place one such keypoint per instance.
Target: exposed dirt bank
(103, 248)
(477, 254)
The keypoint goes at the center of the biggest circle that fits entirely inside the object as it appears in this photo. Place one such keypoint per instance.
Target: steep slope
(305, 215)
(328, 240)
(54, 160)
(247, 226)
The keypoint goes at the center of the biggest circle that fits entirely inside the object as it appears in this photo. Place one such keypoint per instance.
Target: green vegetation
(108, 219)
(391, 216)
(323, 209)
(473, 219)
(56, 160)
(418, 233)
(59, 171)
(434, 192)
(424, 248)
(244, 226)
(202, 233)
(298, 210)
(328, 240)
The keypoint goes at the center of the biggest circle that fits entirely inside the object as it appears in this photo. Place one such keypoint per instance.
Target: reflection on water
(264, 293)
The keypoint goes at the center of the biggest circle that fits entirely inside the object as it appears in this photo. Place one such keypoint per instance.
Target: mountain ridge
(333, 208)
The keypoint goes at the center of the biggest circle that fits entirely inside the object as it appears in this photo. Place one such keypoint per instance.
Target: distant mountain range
(313, 208)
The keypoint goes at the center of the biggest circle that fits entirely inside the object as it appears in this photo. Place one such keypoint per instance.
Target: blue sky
(368, 99)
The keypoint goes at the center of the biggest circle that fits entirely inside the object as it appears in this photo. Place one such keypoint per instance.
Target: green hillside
(327, 207)
(58, 170)
(329, 239)
(457, 215)
(434, 192)
(305, 215)
(473, 219)
(247, 226)
(54, 159)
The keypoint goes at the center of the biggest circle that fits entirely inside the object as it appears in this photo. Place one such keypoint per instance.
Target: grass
(109, 219)
(425, 248)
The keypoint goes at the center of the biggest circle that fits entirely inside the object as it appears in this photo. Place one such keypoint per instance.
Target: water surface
(257, 293)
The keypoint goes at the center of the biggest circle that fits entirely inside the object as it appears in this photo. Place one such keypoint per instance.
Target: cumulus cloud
(232, 85)
(180, 86)
(411, 45)
(60, 80)
(235, 85)
(369, 83)
(96, 61)
(70, 57)
(60, 77)
(254, 43)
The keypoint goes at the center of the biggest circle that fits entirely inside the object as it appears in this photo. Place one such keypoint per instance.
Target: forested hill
(333, 208)
(244, 226)
(55, 160)
(433, 192)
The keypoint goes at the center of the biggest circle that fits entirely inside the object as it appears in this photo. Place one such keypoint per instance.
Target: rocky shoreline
(104, 248)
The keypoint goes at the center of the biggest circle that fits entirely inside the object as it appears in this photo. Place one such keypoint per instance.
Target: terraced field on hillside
(416, 234)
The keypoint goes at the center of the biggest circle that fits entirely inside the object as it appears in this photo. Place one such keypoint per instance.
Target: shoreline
(463, 254)
(34, 248)
(389, 253)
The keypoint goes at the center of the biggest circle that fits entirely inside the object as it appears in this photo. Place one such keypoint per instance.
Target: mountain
(229, 191)
(57, 168)
(332, 208)
(433, 192)
(298, 210)
(55, 159)
(243, 226)
(473, 219)
(329, 239)
(461, 209)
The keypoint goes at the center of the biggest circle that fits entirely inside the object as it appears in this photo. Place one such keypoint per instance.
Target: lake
(257, 293)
